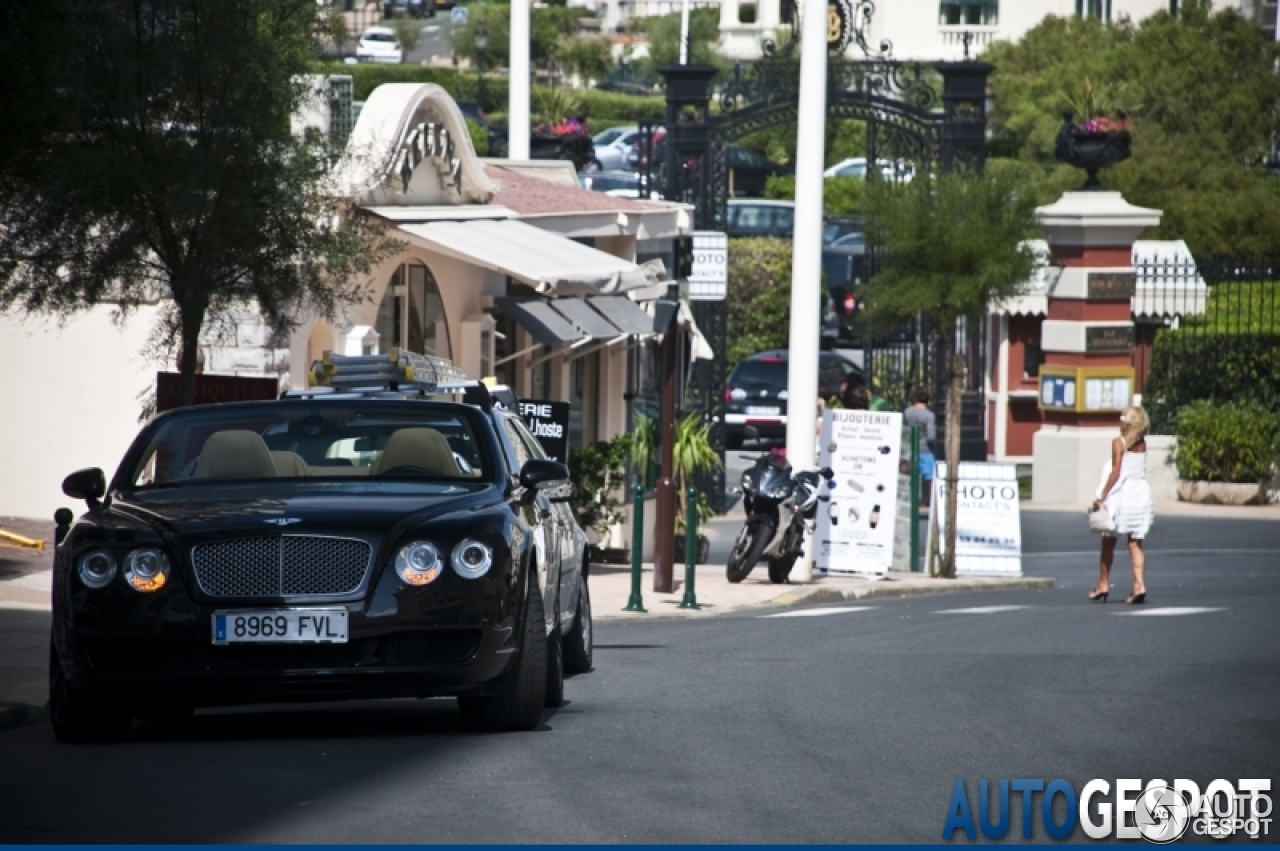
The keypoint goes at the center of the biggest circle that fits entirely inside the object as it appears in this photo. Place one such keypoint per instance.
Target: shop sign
(855, 533)
(1108, 339)
(212, 389)
(549, 422)
(1111, 285)
(988, 528)
(709, 277)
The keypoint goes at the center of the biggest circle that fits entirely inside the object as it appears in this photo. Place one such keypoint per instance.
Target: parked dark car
(411, 8)
(844, 265)
(320, 548)
(777, 217)
(749, 170)
(755, 394)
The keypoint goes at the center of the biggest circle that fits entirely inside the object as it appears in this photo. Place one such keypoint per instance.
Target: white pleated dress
(1129, 502)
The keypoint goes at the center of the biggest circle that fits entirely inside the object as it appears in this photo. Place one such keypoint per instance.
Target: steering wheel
(407, 469)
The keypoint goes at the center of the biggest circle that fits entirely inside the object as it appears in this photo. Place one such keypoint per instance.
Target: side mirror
(89, 485)
(541, 474)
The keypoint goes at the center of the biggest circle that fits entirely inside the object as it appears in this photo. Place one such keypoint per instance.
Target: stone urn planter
(1221, 493)
(1092, 145)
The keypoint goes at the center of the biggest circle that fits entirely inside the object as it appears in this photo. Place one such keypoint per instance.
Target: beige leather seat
(289, 464)
(418, 447)
(235, 454)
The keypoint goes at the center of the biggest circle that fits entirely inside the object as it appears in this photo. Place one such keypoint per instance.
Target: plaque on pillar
(1108, 339)
(1112, 285)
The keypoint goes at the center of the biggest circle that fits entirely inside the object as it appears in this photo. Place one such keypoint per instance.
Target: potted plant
(692, 456)
(562, 131)
(1225, 453)
(599, 473)
(1094, 141)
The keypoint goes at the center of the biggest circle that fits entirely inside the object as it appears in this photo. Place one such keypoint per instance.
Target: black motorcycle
(768, 485)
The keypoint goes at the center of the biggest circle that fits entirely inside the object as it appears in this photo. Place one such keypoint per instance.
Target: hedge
(1218, 368)
(604, 109)
(1228, 443)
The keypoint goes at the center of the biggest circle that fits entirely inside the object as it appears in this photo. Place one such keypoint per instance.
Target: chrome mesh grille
(290, 565)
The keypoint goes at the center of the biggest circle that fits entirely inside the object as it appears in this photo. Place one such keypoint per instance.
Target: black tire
(78, 717)
(780, 569)
(790, 547)
(517, 704)
(555, 669)
(733, 440)
(748, 548)
(579, 642)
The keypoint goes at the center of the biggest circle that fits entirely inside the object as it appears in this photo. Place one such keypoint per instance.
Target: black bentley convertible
(319, 548)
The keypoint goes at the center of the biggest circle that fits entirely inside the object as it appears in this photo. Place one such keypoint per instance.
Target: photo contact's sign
(549, 422)
(709, 277)
(988, 526)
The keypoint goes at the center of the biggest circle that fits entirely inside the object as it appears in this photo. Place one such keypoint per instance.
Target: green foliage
(841, 196)
(759, 298)
(336, 30)
(407, 32)
(953, 245)
(599, 472)
(664, 39)
(170, 167)
(552, 106)
(1231, 354)
(1228, 443)
(479, 138)
(368, 76)
(844, 139)
(692, 456)
(590, 57)
(1206, 98)
(548, 26)
(644, 446)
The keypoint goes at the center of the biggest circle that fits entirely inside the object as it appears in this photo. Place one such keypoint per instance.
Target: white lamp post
(806, 258)
(518, 124)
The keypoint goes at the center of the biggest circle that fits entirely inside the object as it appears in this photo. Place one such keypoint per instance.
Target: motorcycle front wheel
(747, 550)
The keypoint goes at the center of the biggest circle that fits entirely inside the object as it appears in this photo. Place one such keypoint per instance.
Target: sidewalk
(611, 589)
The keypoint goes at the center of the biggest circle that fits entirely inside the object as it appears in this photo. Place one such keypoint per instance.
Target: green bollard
(636, 604)
(690, 600)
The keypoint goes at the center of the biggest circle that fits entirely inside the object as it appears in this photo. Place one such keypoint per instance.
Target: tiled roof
(532, 196)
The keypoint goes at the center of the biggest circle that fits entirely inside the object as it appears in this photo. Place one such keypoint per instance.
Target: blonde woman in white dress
(1125, 495)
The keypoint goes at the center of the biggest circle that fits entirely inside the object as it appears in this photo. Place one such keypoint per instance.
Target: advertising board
(988, 524)
(855, 533)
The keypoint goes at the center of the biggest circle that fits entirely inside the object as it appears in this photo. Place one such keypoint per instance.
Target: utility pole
(806, 258)
(518, 124)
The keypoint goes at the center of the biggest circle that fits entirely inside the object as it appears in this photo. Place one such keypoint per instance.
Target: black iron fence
(1207, 330)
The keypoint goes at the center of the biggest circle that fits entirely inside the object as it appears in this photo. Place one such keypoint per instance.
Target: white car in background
(613, 145)
(901, 170)
(379, 44)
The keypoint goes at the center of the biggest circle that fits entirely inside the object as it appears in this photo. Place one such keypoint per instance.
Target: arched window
(411, 315)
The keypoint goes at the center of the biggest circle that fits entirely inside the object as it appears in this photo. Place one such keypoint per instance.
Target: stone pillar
(1087, 338)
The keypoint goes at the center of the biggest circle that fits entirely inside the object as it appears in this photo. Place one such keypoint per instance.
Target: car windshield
(325, 441)
(760, 373)
(389, 38)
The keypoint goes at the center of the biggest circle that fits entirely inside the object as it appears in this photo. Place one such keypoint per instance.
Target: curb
(14, 715)
(835, 595)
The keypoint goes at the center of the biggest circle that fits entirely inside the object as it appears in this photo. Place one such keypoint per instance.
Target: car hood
(253, 509)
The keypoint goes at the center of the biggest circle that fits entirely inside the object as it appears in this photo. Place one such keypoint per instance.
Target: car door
(541, 518)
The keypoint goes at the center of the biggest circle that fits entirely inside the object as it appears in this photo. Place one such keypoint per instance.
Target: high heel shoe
(1099, 596)
(1136, 599)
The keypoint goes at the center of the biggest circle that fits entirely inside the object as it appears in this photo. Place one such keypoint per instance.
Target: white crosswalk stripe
(814, 613)
(1171, 611)
(981, 610)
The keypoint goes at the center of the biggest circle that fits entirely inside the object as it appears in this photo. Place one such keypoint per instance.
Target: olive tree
(167, 168)
(952, 245)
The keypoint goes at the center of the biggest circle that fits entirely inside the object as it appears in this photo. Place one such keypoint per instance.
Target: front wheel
(517, 705)
(78, 717)
(747, 550)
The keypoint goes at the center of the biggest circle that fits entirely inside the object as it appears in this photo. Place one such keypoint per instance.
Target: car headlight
(418, 563)
(97, 568)
(146, 569)
(472, 559)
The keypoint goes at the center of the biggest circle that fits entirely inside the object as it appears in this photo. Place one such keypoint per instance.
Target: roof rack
(397, 373)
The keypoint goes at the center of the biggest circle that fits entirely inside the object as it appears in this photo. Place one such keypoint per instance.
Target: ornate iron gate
(932, 116)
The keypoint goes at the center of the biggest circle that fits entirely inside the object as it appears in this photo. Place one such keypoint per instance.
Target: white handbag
(1100, 522)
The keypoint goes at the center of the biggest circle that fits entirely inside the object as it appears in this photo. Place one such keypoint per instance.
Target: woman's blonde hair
(1133, 425)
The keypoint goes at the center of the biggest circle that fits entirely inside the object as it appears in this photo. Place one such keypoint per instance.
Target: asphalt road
(847, 727)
